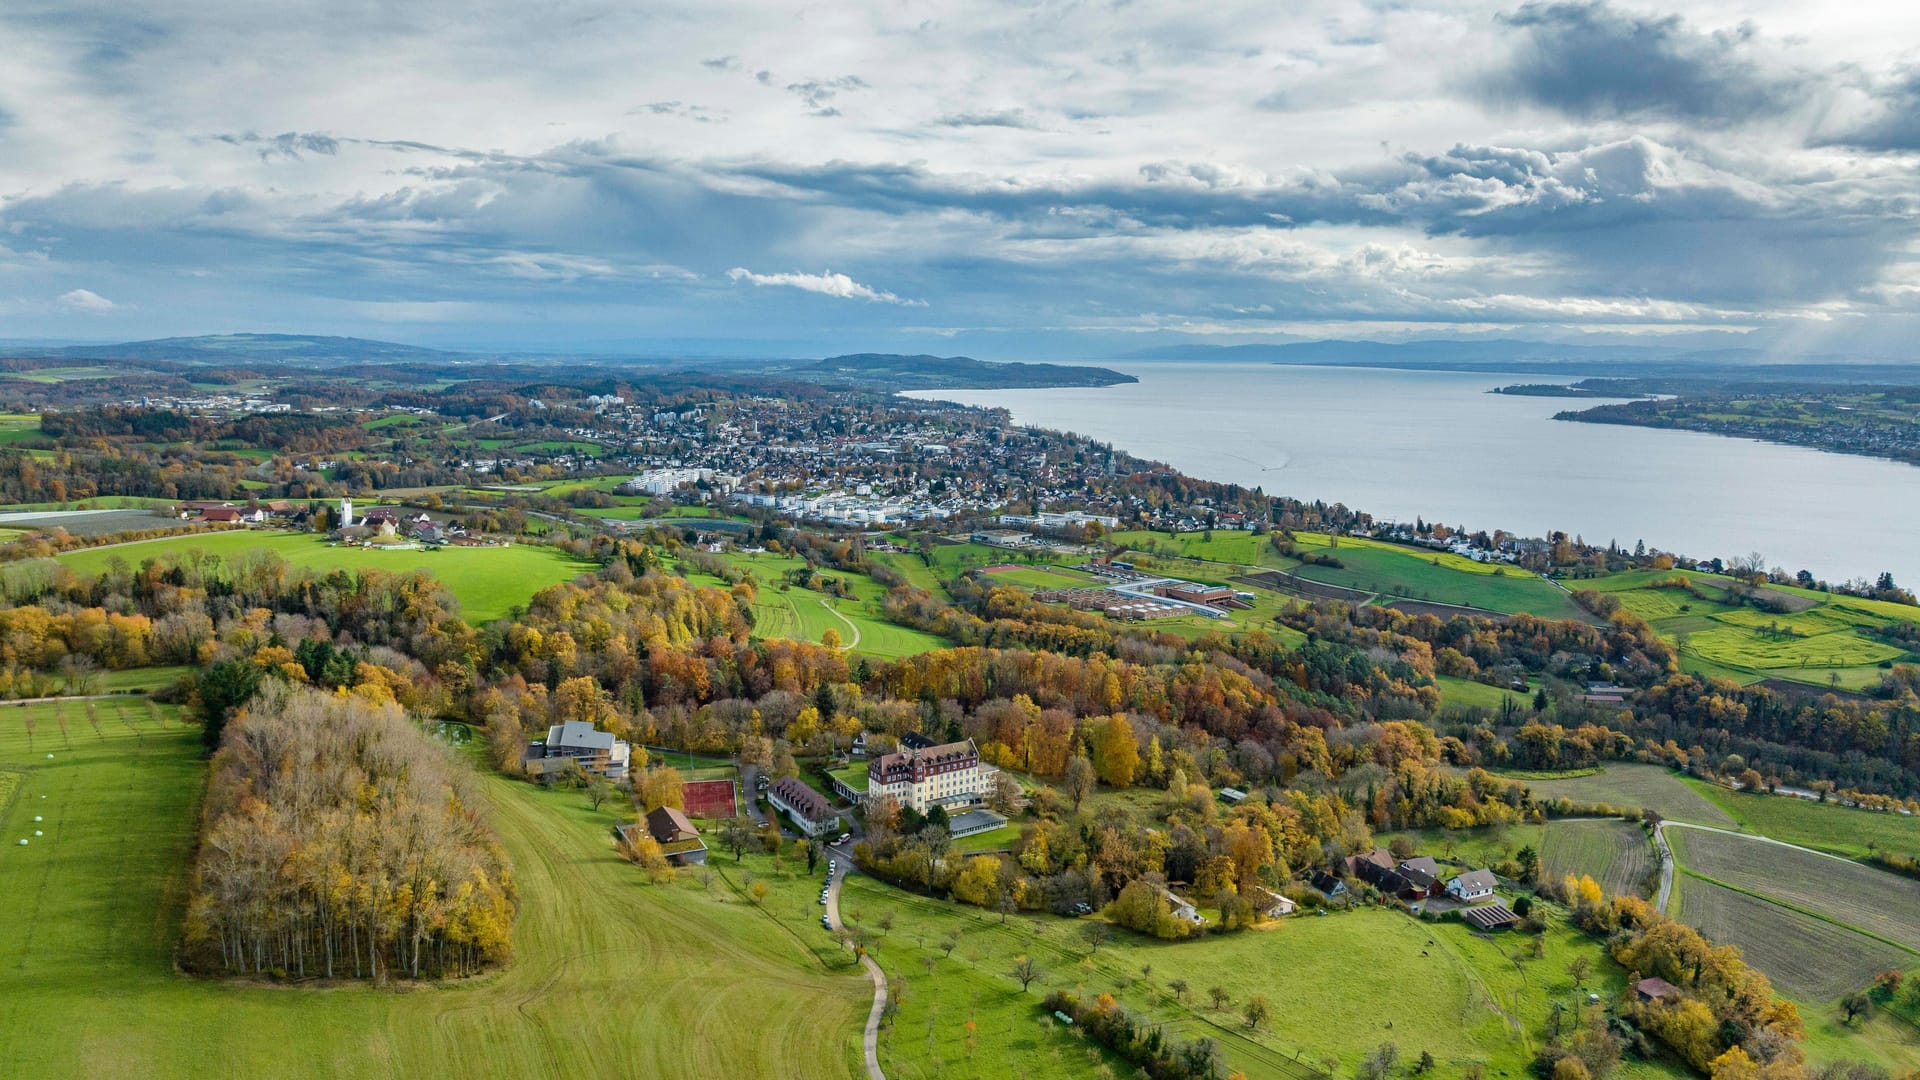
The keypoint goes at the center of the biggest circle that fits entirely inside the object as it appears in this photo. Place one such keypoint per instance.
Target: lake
(1401, 444)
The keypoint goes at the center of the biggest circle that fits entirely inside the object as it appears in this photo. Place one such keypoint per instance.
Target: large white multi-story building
(925, 776)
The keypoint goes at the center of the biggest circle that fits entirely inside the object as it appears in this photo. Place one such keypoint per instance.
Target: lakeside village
(845, 459)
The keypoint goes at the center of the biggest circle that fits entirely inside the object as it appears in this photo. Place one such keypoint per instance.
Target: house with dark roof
(1422, 874)
(1328, 884)
(811, 812)
(676, 835)
(1489, 917)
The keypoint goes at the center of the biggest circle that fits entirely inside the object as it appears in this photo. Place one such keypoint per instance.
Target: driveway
(870, 1041)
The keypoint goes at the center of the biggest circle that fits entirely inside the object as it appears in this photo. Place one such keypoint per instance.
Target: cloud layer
(1028, 179)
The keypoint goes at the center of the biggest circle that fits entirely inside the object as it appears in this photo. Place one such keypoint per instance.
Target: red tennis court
(710, 799)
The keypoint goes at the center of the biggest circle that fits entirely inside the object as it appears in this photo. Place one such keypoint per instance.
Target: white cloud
(826, 284)
(85, 301)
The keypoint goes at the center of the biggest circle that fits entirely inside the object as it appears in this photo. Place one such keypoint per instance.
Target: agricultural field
(1807, 958)
(1842, 830)
(1821, 639)
(1325, 977)
(488, 582)
(1650, 787)
(1617, 854)
(1874, 902)
(681, 979)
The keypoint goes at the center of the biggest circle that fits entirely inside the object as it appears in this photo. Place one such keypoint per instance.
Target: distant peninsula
(892, 371)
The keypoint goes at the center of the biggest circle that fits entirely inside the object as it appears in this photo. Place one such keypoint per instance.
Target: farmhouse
(1270, 904)
(1654, 988)
(1422, 874)
(1182, 909)
(596, 751)
(677, 836)
(1472, 885)
(810, 810)
(1328, 884)
(923, 777)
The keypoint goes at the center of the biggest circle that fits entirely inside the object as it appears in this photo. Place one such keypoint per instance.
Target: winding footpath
(870, 1041)
(851, 625)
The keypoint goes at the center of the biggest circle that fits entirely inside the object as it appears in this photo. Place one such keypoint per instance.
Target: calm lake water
(1435, 444)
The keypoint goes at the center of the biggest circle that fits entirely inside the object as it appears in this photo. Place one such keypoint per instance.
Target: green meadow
(1820, 639)
(487, 581)
(689, 978)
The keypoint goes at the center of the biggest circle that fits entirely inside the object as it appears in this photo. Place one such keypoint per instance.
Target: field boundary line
(1796, 908)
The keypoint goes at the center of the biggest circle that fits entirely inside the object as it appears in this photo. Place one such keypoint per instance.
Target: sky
(1004, 179)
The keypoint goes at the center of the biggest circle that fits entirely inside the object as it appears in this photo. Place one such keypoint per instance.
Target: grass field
(1874, 902)
(1650, 787)
(610, 976)
(1388, 570)
(806, 615)
(488, 582)
(1327, 978)
(1842, 830)
(1617, 854)
(1470, 694)
(1823, 639)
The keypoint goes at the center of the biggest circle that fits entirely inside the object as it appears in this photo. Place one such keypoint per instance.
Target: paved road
(750, 792)
(870, 1040)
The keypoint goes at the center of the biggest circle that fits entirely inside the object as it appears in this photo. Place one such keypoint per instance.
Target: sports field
(610, 975)
(487, 581)
(713, 799)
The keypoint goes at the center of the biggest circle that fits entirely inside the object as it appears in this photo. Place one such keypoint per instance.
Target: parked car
(843, 838)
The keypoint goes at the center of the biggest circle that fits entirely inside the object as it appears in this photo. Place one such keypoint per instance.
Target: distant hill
(245, 348)
(1508, 356)
(891, 371)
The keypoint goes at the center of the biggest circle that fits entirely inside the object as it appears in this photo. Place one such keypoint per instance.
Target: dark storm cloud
(1895, 124)
(1595, 61)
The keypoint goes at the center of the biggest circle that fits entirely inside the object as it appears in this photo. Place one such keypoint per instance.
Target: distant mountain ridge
(1508, 356)
(241, 348)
